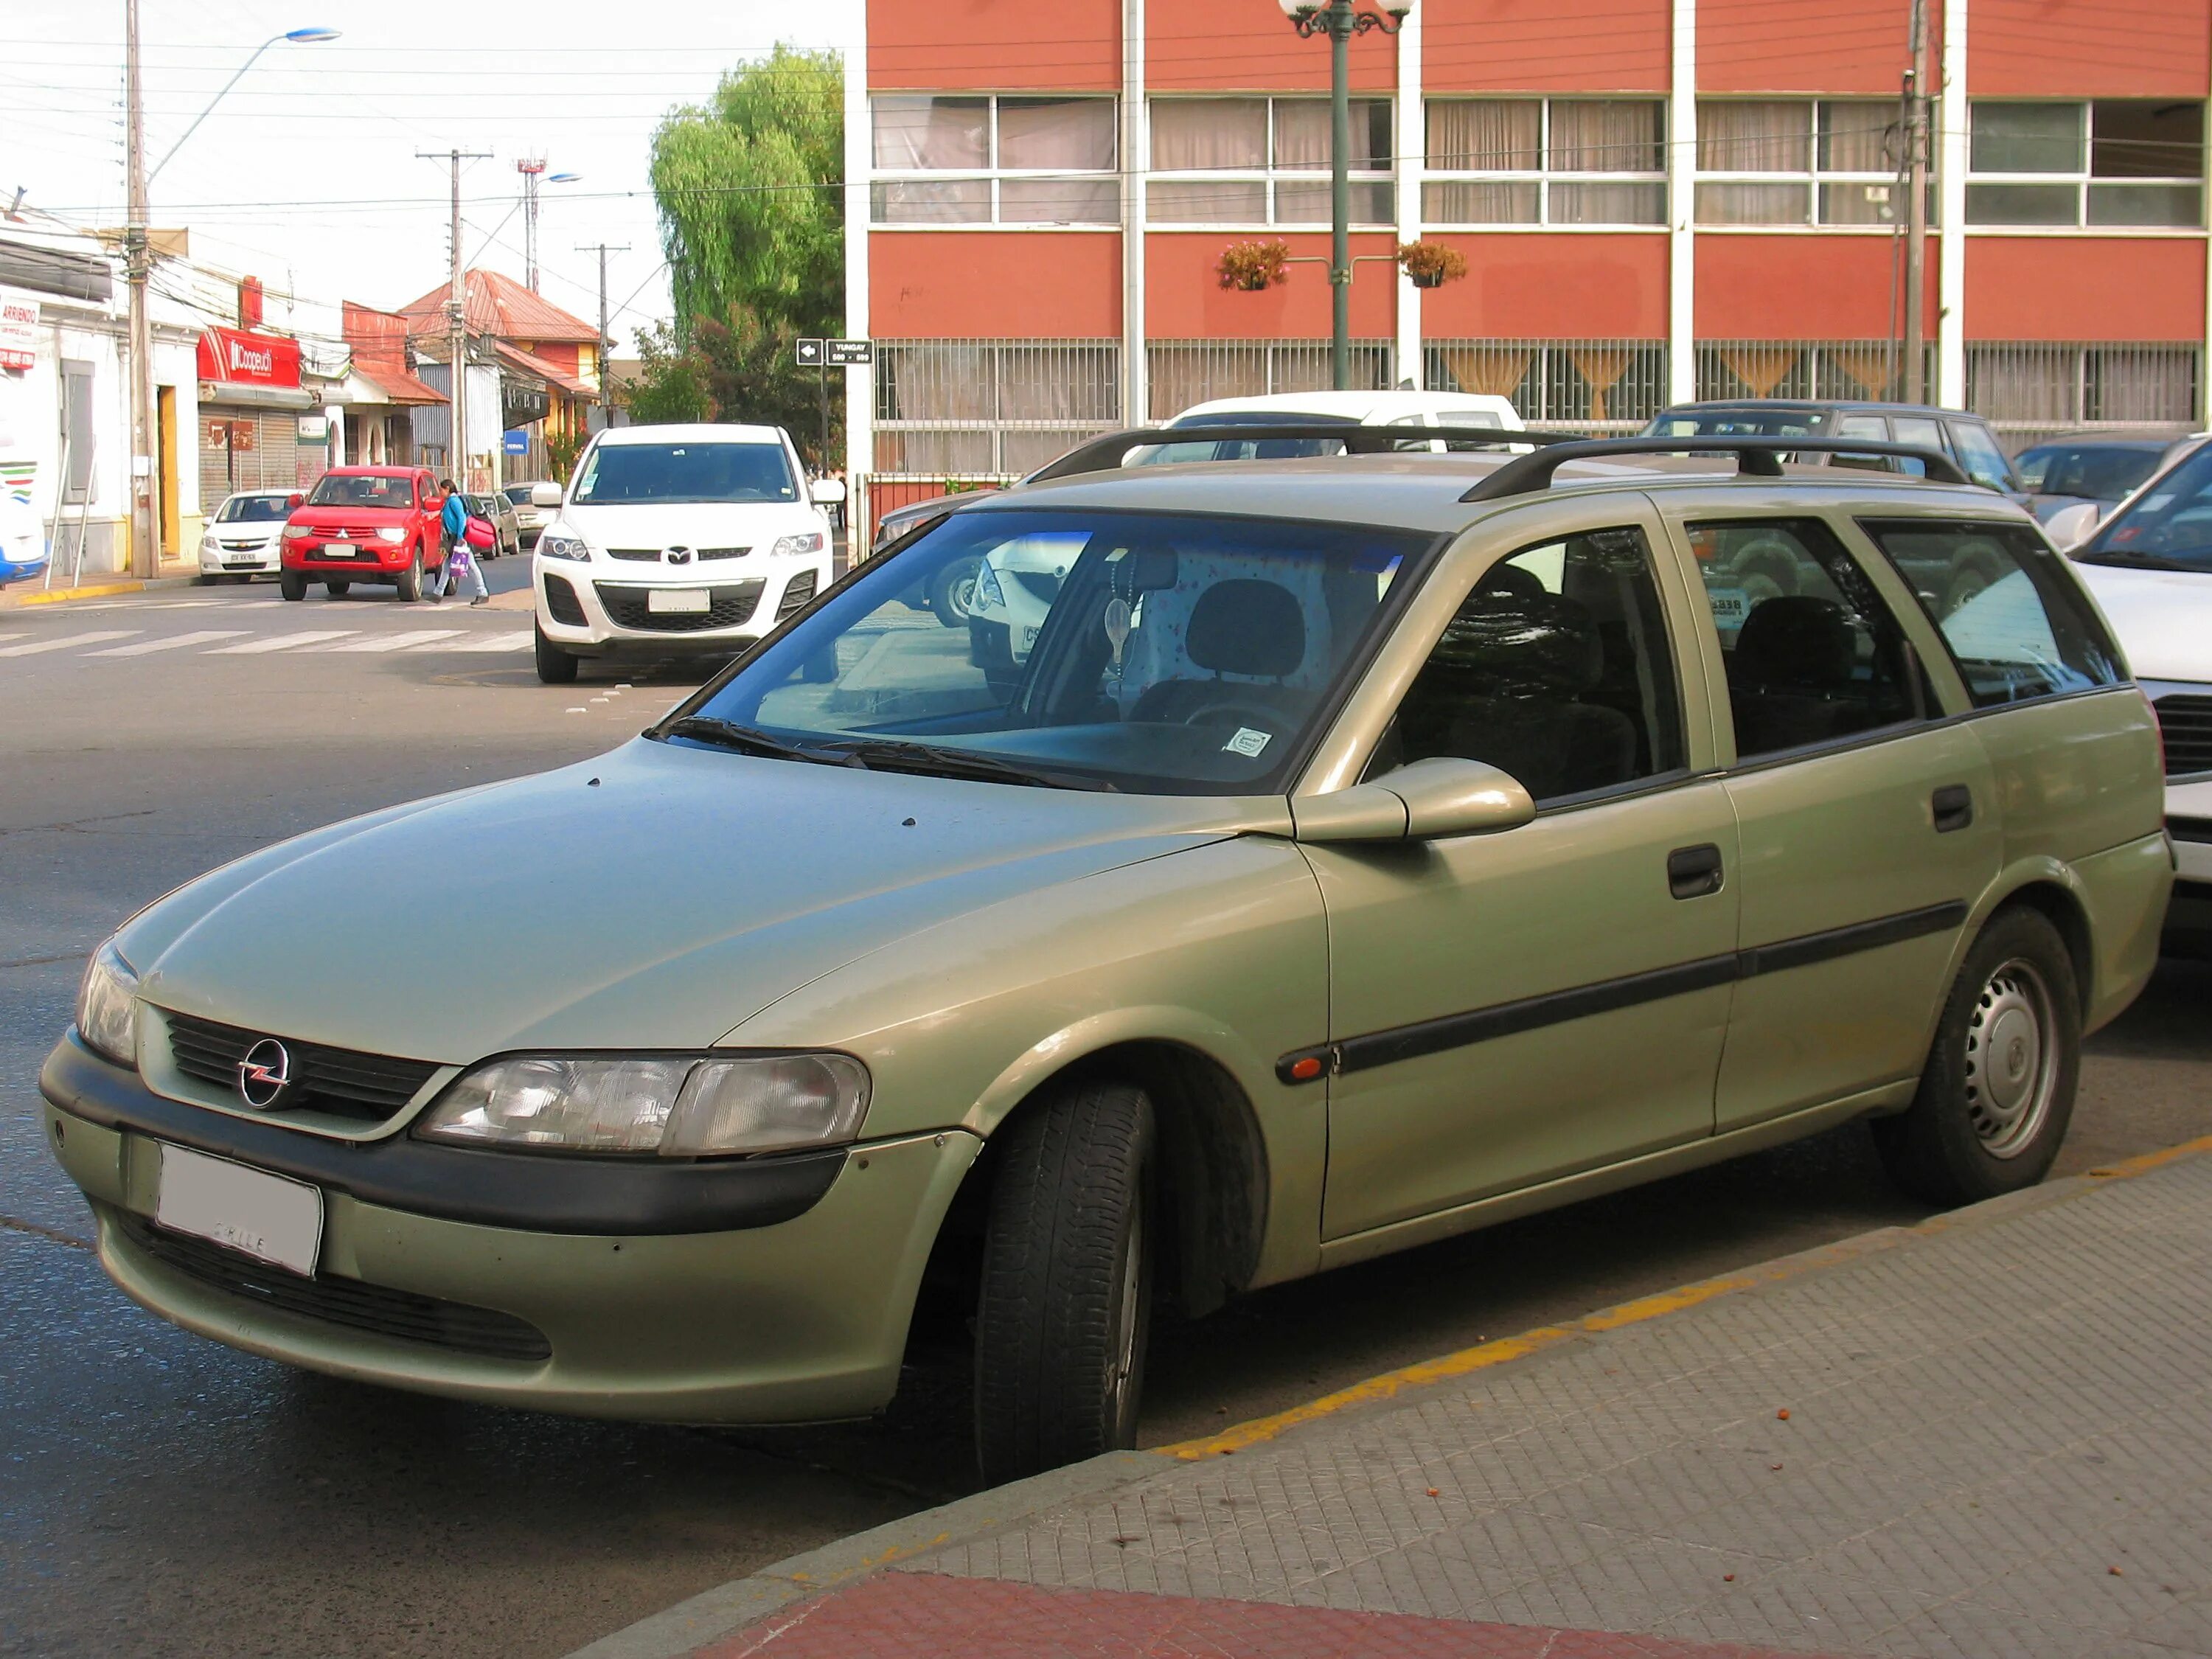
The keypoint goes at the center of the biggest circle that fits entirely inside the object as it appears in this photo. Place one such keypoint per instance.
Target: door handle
(1952, 806)
(1694, 871)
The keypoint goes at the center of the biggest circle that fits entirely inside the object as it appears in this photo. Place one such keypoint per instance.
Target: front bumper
(754, 594)
(791, 1313)
(216, 560)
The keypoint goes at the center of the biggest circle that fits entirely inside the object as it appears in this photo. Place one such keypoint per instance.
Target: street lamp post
(1337, 19)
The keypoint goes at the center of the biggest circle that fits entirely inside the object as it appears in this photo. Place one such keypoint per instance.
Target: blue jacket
(455, 516)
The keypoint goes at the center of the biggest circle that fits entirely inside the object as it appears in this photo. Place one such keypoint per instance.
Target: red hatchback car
(364, 524)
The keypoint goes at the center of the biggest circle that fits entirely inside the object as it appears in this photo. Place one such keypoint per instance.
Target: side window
(1813, 655)
(2009, 611)
(1868, 426)
(1978, 453)
(1557, 669)
(1925, 433)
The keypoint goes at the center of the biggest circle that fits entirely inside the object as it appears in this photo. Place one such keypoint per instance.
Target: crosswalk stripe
(66, 640)
(146, 647)
(283, 642)
(10, 636)
(400, 641)
(494, 642)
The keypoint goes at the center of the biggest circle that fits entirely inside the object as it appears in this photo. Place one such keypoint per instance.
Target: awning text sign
(18, 329)
(232, 354)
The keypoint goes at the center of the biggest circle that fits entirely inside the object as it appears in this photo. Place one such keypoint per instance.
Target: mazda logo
(264, 1074)
(679, 555)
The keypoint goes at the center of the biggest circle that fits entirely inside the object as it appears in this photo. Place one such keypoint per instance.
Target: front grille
(723, 552)
(2185, 723)
(796, 595)
(562, 603)
(367, 1087)
(635, 555)
(729, 606)
(359, 1306)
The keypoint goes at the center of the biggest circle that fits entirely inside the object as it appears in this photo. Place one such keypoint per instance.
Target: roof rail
(1108, 452)
(1759, 457)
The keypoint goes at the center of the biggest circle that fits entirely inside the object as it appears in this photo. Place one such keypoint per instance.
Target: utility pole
(145, 481)
(1916, 207)
(606, 381)
(457, 326)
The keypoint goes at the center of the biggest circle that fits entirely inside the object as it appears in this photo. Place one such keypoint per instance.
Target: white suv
(677, 541)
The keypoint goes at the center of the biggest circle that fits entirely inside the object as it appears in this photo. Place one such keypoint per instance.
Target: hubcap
(2011, 1072)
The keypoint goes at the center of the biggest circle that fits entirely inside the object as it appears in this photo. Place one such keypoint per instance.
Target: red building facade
(1658, 199)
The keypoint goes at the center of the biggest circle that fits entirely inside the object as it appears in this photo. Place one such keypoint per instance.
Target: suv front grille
(562, 603)
(635, 555)
(2185, 725)
(339, 1081)
(352, 1303)
(723, 552)
(729, 606)
(796, 594)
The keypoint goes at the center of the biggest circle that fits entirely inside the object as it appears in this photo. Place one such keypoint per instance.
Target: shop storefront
(260, 428)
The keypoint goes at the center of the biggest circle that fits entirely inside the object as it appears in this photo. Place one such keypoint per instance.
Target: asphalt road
(162, 1495)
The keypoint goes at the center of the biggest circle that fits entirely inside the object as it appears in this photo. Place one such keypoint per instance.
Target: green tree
(737, 369)
(671, 382)
(751, 211)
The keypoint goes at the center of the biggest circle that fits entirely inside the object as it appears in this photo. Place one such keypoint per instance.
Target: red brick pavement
(902, 1615)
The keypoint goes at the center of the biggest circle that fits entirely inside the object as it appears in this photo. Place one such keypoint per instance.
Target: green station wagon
(1370, 848)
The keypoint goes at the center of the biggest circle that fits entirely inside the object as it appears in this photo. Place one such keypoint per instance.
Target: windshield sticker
(1729, 608)
(1248, 742)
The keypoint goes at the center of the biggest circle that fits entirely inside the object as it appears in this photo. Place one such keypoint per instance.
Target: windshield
(353, 490)
(1739, 423)
(2169, 527)
(254, 509)
(1158, 653)
(1244, 449)
(519, 493)
(689, 472)
(2096, 472)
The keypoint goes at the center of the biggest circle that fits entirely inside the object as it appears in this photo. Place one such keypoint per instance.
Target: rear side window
(1984, 463)
(1813, 655)
(2014, 621)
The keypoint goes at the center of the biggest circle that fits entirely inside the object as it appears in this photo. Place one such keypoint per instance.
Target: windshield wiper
(935, 760)
(2133, 559)
(746, 739)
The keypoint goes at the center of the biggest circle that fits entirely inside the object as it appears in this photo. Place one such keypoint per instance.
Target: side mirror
(2070, 527)
(295, 500)
(1429, 801)
(826, 492)
(546, 494)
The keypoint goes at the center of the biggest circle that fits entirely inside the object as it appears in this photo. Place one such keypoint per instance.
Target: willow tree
(751, 212)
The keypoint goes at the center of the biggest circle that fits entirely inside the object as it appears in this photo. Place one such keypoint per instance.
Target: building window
(1601, 385)
(1797, 162)
(987, 160)
(1263, 162)
(2111, 162)
(1545, 161)
(991, 408)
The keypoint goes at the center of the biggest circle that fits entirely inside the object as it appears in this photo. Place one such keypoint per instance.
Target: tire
(1998, 1091)
(1065, 1310)
(411, 579)
(205, 580)
(555, 665)
(952, 592)
(292, 584)
(337, 589)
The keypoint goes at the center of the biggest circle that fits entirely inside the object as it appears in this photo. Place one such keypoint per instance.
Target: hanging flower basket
(1252, 266)
(1431, 265)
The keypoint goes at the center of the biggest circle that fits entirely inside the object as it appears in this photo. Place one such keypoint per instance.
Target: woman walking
(453, 517)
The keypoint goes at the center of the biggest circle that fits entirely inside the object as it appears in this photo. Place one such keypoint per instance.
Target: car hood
(658, 897)
(2163, 618)
(688, 523)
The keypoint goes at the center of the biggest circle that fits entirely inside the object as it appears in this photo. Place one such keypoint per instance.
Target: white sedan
(244, 539)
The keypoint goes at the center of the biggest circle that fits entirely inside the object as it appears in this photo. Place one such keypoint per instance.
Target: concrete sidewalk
(1986, 1435)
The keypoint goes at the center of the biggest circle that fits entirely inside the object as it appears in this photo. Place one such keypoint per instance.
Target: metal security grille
(2031, 389)
(988, 409)
(1848, 369)
(250, 449)
(1586, 386)
(1182, 373)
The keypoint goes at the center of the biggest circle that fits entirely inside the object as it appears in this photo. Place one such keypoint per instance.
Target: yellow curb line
(63, 595)
(1481, 1358)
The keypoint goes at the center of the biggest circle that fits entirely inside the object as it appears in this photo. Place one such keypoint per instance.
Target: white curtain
(1509, 202)
(1072, 134)
(1197, 135)
(1607, 134)
(1737, 135)
(1858, 137)
(1484, 135)
(1753, 205)
(932, 133)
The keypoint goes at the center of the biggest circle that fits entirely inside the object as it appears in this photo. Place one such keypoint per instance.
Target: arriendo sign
(226, 353)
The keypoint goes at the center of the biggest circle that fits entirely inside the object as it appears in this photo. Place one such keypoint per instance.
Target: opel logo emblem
(264, 1074)
(679, 555)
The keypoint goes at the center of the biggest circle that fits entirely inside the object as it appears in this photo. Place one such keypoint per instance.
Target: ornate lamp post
(1337, 20)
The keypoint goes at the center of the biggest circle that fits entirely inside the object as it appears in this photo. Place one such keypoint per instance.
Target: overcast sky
(306, 176)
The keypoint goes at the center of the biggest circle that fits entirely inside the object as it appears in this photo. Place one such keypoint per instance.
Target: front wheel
(1066, 1305)
(337, 590)
(292, 584)
(1998, 1089)
(411, 579)
(555, 665)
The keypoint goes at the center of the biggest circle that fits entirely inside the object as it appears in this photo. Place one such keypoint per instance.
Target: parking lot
(165, 1495)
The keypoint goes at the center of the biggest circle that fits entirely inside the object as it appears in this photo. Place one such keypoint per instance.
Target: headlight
(809, 543)
(680, 1106)
(298, 532)
(988, 591)
(563, 547)
(393, 534)
(107, 1006)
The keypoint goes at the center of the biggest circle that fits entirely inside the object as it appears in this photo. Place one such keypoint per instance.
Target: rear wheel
(952, 591)
(1066, 1306)
(292, 584)
(555, 665)
(411, 579)
(1997, 1093)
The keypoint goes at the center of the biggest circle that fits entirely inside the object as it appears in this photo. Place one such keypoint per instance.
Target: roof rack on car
(1106, 453)
(1759, 457)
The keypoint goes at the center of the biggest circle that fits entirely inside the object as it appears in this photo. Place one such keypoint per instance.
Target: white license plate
(339, 550)
(680, 601)
(251, 561)
(265, 1216)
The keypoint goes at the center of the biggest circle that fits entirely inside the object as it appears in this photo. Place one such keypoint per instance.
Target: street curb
(90, 591)
(729, 1607)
